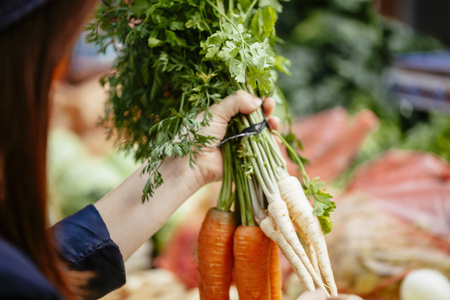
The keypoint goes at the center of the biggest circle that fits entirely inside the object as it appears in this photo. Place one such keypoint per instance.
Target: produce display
(329, 68)
(392, 218)
(332, 140)
(174, 60)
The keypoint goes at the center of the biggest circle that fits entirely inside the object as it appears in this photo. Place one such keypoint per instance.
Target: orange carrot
(215, 254)
(251, 250)
(276, 280)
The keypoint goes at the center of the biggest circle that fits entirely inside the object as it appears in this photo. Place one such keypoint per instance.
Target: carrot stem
(306, 179)
(244, 195)
(225, 199)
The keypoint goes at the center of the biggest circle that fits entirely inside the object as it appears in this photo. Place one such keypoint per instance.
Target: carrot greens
(226, 195)
(174, 60)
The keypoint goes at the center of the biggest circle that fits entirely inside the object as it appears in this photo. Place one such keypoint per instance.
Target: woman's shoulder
(19, 276)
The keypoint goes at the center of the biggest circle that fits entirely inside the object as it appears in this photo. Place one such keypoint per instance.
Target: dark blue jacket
(86, 245)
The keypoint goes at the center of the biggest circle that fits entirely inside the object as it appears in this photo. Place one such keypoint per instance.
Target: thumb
(240, 101)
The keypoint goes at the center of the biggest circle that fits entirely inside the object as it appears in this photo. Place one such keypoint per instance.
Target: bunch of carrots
(272, 212)
(174, 60)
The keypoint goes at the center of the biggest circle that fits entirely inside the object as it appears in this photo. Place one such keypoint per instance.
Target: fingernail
(257, 102)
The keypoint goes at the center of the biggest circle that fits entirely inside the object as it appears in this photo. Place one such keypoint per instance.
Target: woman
(82, 256)
(34, 261)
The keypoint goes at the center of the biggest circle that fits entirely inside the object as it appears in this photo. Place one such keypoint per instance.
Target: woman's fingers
(274, 123)
(345, 297)
(269, 105)
(318, 294)
(240, 101)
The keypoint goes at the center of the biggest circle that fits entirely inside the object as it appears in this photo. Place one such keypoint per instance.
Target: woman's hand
(321, 295)
(209, 163)
(131, 222)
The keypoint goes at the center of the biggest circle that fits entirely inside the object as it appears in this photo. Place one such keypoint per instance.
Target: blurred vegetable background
(384, 157)
(340, 52)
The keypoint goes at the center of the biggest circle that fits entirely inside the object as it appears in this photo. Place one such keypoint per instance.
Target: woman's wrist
(178, 175)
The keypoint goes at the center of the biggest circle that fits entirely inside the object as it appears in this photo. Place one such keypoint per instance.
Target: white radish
(313, 257)
(279, 211)
(269, 227)
(301, 213)
(311, 252)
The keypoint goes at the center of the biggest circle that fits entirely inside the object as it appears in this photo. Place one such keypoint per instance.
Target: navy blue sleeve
(20, 278)
(86, 244)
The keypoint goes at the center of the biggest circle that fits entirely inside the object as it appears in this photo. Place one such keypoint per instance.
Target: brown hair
(29, 52)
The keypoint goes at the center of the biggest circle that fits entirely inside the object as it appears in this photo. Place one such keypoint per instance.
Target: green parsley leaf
(322, 204)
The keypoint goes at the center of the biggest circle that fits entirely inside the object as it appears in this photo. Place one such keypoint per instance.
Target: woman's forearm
(131, 222)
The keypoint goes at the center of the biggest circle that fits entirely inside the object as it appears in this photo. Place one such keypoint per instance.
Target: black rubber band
(253, 129)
